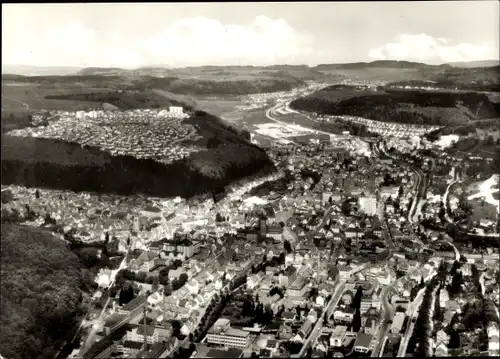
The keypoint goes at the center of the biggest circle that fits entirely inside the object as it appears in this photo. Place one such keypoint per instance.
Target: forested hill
(128, 100)
(409, 106)
(41, 292)
(228, 156)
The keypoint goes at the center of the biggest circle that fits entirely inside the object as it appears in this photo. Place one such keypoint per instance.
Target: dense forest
(125, 100)
(201, 172)
(467, 128)
(412, 107)
(41, 292)
(12, 120)
(47, 163)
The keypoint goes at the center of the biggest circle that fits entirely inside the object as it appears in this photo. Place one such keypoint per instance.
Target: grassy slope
(40, 291)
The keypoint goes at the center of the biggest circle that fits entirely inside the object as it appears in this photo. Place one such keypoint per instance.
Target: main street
(412, 315)
(328, 310)
(385, 230)
(387, 314)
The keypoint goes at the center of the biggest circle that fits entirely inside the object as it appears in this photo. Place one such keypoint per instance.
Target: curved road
(445, 200)
(25, 105)
(270, 117)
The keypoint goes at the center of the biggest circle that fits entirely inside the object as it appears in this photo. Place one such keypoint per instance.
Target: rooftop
(220, 353)
(363, 340)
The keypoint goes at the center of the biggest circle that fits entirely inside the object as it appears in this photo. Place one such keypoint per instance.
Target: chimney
(145, 332)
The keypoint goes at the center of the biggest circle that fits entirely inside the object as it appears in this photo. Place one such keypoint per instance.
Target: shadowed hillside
(41, 292)
(413, 107)
(228, 156)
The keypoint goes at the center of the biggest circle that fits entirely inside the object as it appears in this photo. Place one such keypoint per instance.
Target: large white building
(368, 205)
(187, 248)
(177, 110)
(137, 335)
(298, 288)
(221, 333)
(338, 335)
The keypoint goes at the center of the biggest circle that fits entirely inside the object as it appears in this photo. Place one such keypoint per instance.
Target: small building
(338, 335)
(363, 343)
(397, 322)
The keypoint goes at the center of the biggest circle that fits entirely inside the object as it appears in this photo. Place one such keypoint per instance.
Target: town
(339, 253)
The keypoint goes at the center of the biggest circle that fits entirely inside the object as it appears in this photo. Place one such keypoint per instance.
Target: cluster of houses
(142, 133)
(386, 129)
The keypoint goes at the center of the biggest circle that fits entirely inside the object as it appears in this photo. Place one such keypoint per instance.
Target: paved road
(415, 198)
(319, 323)
(99, 321)
(387, 314)
(446, 202)
(455, 249)
(412, 314)
(328, 310)
(412, 213)
(385, 231)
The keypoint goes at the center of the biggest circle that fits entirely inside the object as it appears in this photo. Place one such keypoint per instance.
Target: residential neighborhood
(332, 255)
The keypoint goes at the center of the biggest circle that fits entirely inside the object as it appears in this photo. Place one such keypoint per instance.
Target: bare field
(31, 96)
(255, 117)
(219, 106)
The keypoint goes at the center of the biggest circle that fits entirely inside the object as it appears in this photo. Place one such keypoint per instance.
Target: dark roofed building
(220, 353)
(128, 344)
(134, 306)
(363, 343)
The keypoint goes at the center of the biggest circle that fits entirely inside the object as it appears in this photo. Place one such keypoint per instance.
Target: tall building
(288, 276)
(368, 205)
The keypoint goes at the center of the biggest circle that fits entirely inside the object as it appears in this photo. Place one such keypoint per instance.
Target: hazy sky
(177, 34)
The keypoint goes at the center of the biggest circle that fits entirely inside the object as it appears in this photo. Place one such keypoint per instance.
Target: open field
(33, 96)
(254, 117)
(221, 106)
(278, 131)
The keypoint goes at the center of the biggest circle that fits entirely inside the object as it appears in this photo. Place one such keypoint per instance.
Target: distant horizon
(242, 65)
(135, 35)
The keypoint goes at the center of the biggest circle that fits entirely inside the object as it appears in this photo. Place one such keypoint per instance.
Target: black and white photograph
(250, 180)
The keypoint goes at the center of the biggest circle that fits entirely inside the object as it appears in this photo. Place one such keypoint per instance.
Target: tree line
(41, 295)
(410, 107)
(200, 172)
